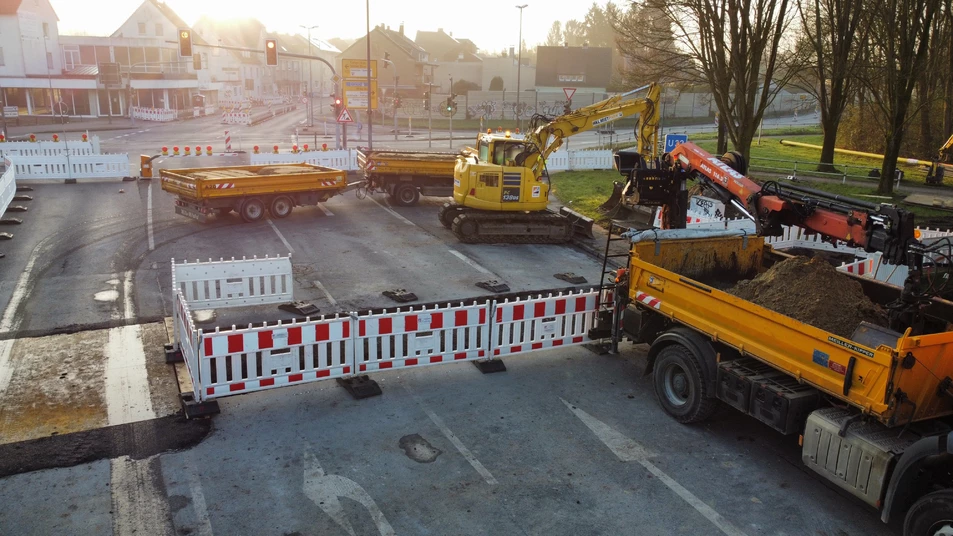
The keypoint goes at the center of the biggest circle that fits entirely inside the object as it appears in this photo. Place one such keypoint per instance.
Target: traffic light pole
(430, 113)
(451, 112)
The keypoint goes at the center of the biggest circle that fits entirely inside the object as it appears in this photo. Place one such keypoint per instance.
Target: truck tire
(680, 386)
(931, 515)
(252, 210)
(406, 195)
(281, 207)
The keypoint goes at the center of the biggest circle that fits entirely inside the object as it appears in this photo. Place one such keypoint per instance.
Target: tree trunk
(927, 144)
(827, 148)
(889, 169)
(722, 145)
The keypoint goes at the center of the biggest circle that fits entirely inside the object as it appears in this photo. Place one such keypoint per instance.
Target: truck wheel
(253, 210)
(223, 211)
(680, 386)
(406, 195)
(281, 207)
(931, 515)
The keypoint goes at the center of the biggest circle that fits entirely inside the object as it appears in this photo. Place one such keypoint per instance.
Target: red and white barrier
(253, 359)
(152, 114)
(422, 337)
(525, 325)
(236, 118)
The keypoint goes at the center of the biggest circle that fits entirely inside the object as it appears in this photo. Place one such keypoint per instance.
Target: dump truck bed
(406, 163)
(201, 184)
(681, 279)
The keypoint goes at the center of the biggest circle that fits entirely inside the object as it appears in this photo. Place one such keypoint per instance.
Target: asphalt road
(564, 442)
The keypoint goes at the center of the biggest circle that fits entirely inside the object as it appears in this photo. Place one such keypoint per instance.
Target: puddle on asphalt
(419, 449)
(106, 296)
(204, 316)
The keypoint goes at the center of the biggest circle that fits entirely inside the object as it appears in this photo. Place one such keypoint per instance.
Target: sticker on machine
(456, 182)
(535, 191)
(850, 346)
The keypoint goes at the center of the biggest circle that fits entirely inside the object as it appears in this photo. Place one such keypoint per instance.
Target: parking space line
(152, 241)
(291, 250)
(628, 450)
(393, 212)
(204, 527)
(469, 261)
(464, 451)
(325, 210)
(10, 321)
(325, 291)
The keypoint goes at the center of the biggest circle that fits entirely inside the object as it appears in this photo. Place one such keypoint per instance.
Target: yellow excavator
(937, 171)
(501, 188)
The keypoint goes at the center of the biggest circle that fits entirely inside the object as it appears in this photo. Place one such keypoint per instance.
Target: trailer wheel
(252, 210)
(931, 515)
(281, 206)
(680, 386)
(406, 195)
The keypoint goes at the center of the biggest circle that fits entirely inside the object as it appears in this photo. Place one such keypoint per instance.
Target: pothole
(419, 449)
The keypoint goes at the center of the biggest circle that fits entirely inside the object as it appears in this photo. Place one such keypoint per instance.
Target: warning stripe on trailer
(651, 301)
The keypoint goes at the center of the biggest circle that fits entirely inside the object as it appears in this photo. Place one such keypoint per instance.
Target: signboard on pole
(355, 93)
(345, 116)
(674, 140)
(109, 74)
(358, 68)
(569, 91)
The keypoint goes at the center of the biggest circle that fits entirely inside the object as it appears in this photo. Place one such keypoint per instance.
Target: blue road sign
(672, 140)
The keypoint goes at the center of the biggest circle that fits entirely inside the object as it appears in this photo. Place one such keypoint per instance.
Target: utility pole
(519, 66)
(310, 106)
(430, 112)
(370, 119)
(451, 112)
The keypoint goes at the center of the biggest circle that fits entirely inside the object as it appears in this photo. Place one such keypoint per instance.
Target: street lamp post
(519, 66)
(370, 118)
(450, 110)
(310, 106)
(49, 76)
(430, 111)
(394, 65)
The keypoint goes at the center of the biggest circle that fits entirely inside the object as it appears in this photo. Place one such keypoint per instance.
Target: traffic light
(450, 104)
(271, 52)
(427, 97)
(197, 61)
(397, 101)
(336, 106)
(185, 43)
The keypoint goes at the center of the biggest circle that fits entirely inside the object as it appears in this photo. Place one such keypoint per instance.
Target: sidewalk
(74, 125)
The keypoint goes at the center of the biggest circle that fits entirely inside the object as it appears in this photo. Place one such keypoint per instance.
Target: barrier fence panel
(98, 166)
(535, 323)
(186, 336)
(8, 185)
(244, 360)
(235, 282)
(406, 338)
(344, 159)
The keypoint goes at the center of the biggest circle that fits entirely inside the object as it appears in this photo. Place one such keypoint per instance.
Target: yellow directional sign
(357, 68)
(355, 93)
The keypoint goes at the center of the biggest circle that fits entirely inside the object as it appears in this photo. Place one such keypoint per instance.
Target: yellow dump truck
(406, 175)
(250, 190)
(872, 411)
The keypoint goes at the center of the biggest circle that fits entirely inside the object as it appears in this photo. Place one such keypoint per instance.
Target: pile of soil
(812, 291)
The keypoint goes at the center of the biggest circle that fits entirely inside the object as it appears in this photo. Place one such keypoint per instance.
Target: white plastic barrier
(8, 185)
(407, 338)
(65, 166)
(49, 148)
(187, 338)
(245, 360)
(525, 325)
(234, 283)
(236, 118)
(344, 159)
(152, 114)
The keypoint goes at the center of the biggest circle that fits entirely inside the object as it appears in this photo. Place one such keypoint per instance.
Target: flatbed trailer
(873, 411)
(406, 175)
(250, 190)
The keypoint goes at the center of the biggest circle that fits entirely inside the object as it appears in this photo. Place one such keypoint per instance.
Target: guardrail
(809, 169)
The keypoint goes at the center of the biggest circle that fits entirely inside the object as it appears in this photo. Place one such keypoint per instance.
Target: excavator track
(480, 227)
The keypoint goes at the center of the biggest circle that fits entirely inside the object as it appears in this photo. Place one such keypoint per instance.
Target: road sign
(569, 91)
(355, 93)
(335, 79)
(109, 74)
(358, 68)
(304, 100)
(674, 140)
(345, 116)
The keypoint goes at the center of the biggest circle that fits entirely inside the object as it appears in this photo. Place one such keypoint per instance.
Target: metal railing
(809, 169)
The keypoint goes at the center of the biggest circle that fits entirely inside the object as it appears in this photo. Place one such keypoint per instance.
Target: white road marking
(138, 505)
(464, 451)
(325, 210)
(628, 450)
(127, 387)
(469, 261)
(204, 527)
(393, 213)
(325, 291)
(127, 304)
(291, 250)
(6, 369)
(325, 490)
(152, 242)
(10, 322)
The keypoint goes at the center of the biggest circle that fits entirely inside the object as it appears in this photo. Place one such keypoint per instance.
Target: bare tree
(900, 38)
(735, 44)
(833, 31)
(647, 43)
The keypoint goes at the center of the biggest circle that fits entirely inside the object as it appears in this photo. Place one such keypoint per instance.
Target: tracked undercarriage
(482, 227)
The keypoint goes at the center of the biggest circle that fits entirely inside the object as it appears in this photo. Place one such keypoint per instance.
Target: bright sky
(491, 24)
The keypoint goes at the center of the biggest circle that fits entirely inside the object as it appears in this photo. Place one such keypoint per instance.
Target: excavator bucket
(615, 199)
(581, 225)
